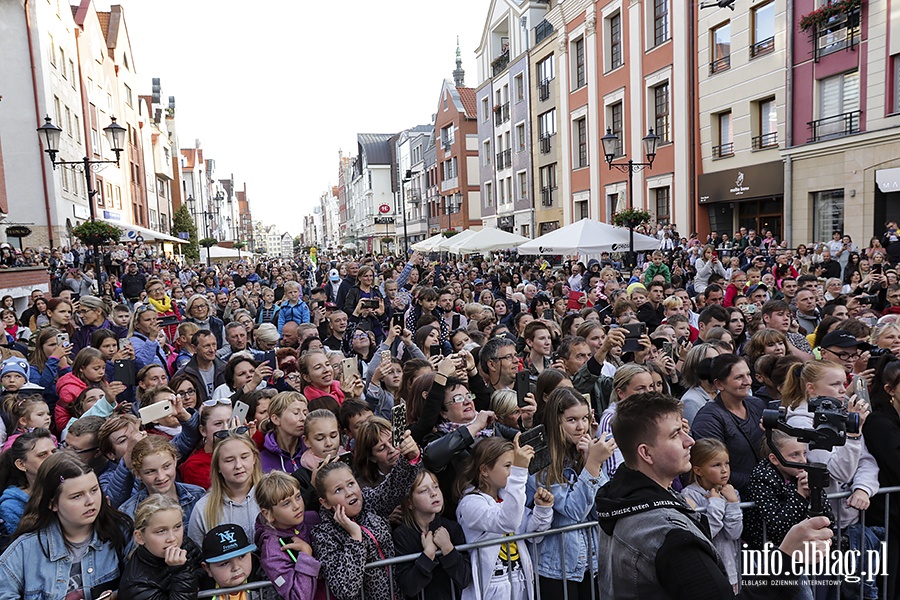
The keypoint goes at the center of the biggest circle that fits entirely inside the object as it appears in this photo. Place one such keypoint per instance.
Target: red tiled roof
(467, 95)
(104, 23)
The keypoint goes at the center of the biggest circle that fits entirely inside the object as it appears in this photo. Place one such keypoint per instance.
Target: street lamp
(610, 146)
(49, 134)
(406, 179)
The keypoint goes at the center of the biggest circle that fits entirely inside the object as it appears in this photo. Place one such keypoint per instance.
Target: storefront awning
(888, 180)
(735, 185)
(130, 233)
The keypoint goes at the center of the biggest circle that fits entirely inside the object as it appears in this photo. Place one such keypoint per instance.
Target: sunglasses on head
(223, 434)
(211, 402)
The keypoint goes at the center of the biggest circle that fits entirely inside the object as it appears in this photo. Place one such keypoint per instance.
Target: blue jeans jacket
(573, 503)
(36, 565)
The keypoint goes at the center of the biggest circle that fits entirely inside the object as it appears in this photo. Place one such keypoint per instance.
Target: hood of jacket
(272, 446)
(70, 381)
(630, 492)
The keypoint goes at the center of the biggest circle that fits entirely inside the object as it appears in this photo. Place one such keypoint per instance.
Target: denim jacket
(36, 565)
(573, 503)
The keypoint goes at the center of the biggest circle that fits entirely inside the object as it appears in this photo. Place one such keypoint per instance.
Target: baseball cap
(843, 339)
(478, 281)
(225, 542)
(333, 275)
(758, 286)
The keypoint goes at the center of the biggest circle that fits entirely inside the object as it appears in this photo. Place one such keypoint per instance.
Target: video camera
(831, 424)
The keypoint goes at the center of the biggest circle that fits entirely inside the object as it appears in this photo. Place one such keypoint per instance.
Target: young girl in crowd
(426, 530)
(283, 443)
(354, 528)
(283, 535)
(19, 466)
(215, 416)
(322, 438)
(318, 377)
(235, 473)
(88, 369)
(164, 563)
(27, 412)
(709, 488)
(153, 461)
(491, 487)
(49, 362)
(573, 477)
(70, 542)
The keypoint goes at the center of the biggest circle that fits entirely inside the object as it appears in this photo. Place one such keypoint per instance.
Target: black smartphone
(397, 319)
(635, 330)
(455, 321)
(123, 371)
(345, 457)
(525, 384)
(548, 314)
(536, 437)
(876, 268)
(434, 350)
(370, 303)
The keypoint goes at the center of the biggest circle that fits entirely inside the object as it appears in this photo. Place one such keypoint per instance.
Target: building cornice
(843, 144)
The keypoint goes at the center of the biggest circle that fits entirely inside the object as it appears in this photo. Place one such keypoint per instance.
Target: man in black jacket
(204, 366)
(133, 283)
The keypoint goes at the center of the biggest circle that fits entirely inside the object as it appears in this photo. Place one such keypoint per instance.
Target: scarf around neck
(164, 306)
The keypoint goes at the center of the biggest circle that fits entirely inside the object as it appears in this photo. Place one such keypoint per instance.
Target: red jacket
(195, 470)
(67, 388)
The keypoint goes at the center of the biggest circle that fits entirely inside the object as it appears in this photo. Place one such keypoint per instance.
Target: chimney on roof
(197, 143)
(459, 75)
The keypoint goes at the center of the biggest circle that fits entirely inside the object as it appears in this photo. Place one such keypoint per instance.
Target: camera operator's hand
(615, 339)
(803, 484)
(811, 537)
(867, 374)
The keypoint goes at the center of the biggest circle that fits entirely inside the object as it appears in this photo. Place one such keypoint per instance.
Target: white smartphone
(240, 411)
(155, 412)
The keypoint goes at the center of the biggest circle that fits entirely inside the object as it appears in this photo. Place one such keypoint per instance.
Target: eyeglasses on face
(846, 355)
(186, 393)
(461, 398)
(507, 356)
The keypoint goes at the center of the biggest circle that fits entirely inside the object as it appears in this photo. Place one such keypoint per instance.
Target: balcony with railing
(723, 150)
(766, 140)
(839, 33)
(544, 89)
(542, 31)
(761, 47)
(719, 65)
(499, 64)
(501, 113)
(545, 143)
(504, 159)
(833, 127)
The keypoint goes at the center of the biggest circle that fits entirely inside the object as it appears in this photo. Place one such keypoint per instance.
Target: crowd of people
(179, 428)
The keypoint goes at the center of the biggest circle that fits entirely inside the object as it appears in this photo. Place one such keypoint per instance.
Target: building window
(128, 97)
(52, 48)
(546, 69)
(62, 62)
(69, 128)
(581, 142)
(615, 41)
(485, 109)
(547, 177)
(487, 153)
(57, 107)
(547, 122)
(661, 112)
(721, 49)
(520, 87)
(660, 21)
(72, 71)
(767, 118)
(838, 106)
(579, 63)
(583, 210)
(763, 29)
(523, 185)
(77, 128)
(895, 86)
(64, 177)
(662, 205)
(828, 213)
(616, 125)
(725, 145)
(520, 137)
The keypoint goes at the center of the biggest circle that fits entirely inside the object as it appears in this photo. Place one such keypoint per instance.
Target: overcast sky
(274, 89)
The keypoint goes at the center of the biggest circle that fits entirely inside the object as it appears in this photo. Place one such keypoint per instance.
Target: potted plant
(820, 17)
(97, 233)
(631, 217)
(450, 233)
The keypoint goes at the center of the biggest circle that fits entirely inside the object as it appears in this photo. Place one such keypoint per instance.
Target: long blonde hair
(218, 487)
(278, 405)
(793, 393)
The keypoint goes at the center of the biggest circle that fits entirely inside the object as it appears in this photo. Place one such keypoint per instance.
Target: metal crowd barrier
(534, 539)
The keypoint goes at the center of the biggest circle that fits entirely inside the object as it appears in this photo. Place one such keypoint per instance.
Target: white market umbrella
(447, 244)
(427, 245)
(488, 240)
(587, 237)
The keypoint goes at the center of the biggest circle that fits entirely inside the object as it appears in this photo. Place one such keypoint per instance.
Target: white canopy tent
(427, 245)
(488, 240)
(448, 243)
(587, 237)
